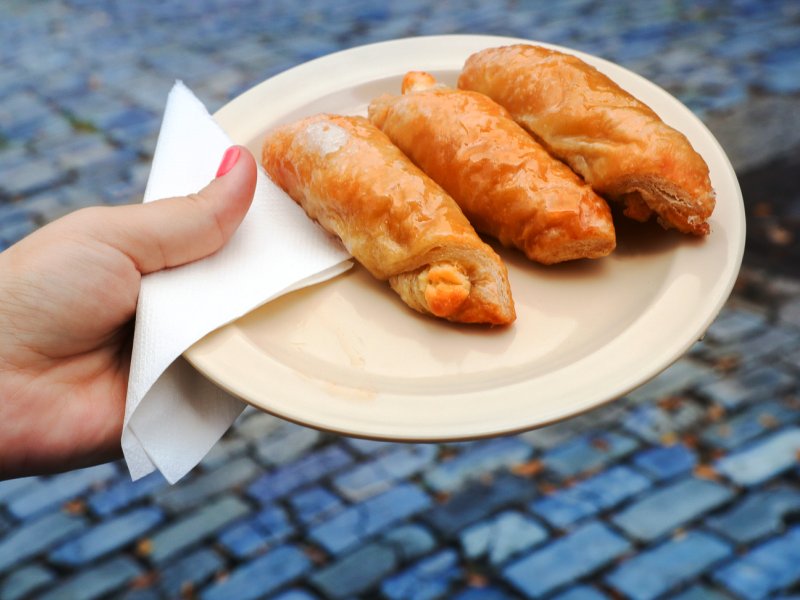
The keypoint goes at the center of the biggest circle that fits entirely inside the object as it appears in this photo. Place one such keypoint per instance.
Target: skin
(68, 296)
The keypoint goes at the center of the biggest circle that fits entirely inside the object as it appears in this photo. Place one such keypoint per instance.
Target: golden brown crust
(614, 141)
(506, 183)
(393, 219)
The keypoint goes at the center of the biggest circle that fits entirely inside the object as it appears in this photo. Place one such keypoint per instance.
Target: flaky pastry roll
(505, 182)
(614, 141)
(391, 217)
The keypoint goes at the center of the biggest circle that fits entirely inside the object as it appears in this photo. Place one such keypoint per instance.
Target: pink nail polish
(229, 159)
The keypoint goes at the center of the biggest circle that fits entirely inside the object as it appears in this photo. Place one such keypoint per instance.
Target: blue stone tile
(224, 451)
(728, 392)
(11, 81)
(410, 541)
(665, 462)
(286, 443)
(114, 160)
(729, 97)
(581, 592)
(547, 438)
(24, 581)
(653, 423)
(200, 489)
(305, 48)
(477, 459)
(428, 579)
(182, 533)
(28, 126)
(117, 192)
(778, 71)
(295, 595)
(35, 175)
(107, 537)
(588, 452)
(652, 32)
(48, 206)
(314, 504)
(136, 593)
(56, 490)
(700, 592)
(766, 382)
(11, 233)
(655, 572)
(565, 509)
(501, 537)
(476, 502)
(359, 522)
(307, 470)
(637, 49)
(762, 383)
(588, 497)
(789, 312)
(184, 65)
(21, 107)
(584, 551)
(14, 487)
(775, 341)
(380, 473)
(675, 505)
(756, 516)
(483, 593)
(267, 528)
(769, 568)
(124, 492)
(82, 151)
(189, 573)
(13, 213)
(768, 457)
(371, 13)
(397, 27)
(744, 427)
(124, 118)
(97, 581)
(71, 82)
(683, 375)
(356, 572)
(367, 566)
(261, 576)
(733, 325)
(72, 198)
(35, 536)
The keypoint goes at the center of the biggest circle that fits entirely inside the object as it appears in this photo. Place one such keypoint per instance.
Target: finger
(175, 231)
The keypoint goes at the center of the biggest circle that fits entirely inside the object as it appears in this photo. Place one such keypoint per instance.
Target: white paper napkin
(173, 415)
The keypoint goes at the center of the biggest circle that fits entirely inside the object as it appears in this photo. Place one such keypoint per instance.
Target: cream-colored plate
(349, 356)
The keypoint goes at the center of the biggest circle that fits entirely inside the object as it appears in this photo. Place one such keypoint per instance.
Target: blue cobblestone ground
(686, 489)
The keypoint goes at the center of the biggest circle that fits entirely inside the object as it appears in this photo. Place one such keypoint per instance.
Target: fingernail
(228, 160)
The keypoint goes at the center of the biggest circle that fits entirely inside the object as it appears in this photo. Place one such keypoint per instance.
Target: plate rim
(205, 355)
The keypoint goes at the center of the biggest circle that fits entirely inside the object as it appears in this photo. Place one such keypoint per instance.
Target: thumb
(174, 231)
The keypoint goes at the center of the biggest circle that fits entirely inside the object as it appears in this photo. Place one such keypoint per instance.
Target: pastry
(390, 216)
(506, 183)
(614, 141)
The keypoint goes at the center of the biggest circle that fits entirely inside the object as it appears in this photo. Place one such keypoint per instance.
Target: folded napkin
(173, 415)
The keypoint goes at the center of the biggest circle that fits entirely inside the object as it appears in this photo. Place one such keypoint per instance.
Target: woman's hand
(68, 296)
